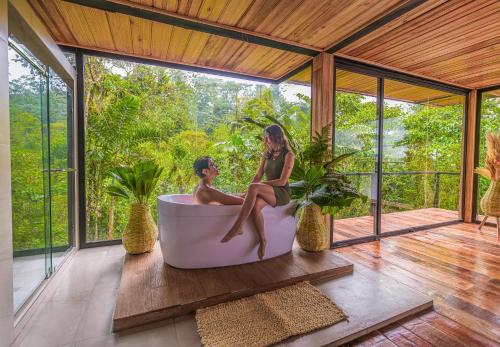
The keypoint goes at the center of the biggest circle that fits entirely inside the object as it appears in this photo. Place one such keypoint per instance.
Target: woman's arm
(285, 173)
(260, 170)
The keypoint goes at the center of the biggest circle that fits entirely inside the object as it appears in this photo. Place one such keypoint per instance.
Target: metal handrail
(437, 182)
(402, 173)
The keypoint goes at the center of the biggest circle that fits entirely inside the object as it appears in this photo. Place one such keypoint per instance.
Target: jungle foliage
(135, 112)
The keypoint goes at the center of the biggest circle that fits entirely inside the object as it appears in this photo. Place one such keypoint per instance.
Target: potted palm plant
(490, 203)
(137, 183)
(319, 190)
(316, 188)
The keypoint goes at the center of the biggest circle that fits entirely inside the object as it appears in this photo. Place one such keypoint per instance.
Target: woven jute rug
(267, 318)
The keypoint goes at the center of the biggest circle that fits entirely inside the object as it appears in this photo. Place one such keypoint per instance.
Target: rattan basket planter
(141, 232)
(490, 203)
(311, 230)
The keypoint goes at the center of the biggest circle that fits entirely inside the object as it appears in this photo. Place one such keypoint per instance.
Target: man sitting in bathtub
(205, 193)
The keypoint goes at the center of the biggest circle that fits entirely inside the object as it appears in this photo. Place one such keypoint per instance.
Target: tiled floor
(28, 273)
(79, 311)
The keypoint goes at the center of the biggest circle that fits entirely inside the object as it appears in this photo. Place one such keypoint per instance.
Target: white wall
(6, 287)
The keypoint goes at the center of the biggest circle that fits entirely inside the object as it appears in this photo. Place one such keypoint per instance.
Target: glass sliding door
(27, 103)
(356, 129)
(61, 172)
(408, 136)
(489, 122)
(422, 151)
(41, 137)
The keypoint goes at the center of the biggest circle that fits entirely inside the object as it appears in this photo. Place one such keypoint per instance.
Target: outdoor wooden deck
(351, 228)
(458, 266)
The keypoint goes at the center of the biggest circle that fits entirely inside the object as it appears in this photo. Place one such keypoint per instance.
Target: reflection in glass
(490, 122)
(27, 95)
(60, 108)
(356, 129)
(422, 150)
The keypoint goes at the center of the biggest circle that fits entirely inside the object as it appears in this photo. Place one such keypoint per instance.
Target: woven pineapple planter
(490, 203)
(141, 232)
(311, 231)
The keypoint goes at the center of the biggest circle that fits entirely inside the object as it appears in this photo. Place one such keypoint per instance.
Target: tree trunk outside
(111, 217)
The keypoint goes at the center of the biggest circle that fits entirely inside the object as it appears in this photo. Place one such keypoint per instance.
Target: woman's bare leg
(258, 220)
(261, 190)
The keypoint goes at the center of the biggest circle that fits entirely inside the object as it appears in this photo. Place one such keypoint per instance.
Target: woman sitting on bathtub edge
(277, 164)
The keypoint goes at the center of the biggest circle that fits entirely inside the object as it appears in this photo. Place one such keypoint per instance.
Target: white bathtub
(190, 234)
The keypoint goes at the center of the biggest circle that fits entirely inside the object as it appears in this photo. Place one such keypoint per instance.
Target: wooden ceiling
(455, 41)
(315, 24)
(351, 82)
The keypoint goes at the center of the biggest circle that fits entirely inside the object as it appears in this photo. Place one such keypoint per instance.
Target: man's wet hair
(200, 164)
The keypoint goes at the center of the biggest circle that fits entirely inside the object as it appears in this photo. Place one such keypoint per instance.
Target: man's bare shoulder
(205, 195)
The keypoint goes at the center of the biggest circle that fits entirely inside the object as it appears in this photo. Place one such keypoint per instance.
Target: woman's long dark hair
(277, 136)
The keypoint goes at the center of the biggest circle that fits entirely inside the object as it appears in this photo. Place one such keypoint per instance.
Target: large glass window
(356, 129)
(489, 122)
(137, 111)
(408, 163)
(27, 104)
(422, 151)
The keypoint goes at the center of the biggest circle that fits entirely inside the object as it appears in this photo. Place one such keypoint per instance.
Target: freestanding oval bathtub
(190, 234)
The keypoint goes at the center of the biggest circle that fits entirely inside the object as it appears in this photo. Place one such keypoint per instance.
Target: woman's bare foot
(262, 249)
(231, 233)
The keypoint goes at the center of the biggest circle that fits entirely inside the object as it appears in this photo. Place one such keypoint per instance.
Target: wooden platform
(151, 290)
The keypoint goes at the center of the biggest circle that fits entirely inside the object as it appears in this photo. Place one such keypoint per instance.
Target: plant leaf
(483, 172)
(117, 191)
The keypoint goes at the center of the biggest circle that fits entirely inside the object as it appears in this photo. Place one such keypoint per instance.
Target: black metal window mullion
(334, 113)
(82, 217)
(377, 225)
(70, 164)
(477, 143)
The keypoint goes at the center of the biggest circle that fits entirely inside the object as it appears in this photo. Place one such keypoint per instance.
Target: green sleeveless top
(272, 170)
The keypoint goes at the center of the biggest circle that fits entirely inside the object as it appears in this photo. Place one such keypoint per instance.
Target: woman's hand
(242, 195)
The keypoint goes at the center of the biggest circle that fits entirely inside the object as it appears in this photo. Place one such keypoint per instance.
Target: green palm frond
(139, 180)
(339, 158)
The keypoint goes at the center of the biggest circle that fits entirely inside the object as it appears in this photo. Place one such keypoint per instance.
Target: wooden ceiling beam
(174, 19)
(398, 12)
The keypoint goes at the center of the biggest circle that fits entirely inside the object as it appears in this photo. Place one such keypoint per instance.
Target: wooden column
(470, 135)
(322, 95)
(322, 91)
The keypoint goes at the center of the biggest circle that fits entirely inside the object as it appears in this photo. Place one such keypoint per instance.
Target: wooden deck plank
(458, 266)
(355, 227)
(151, 290)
